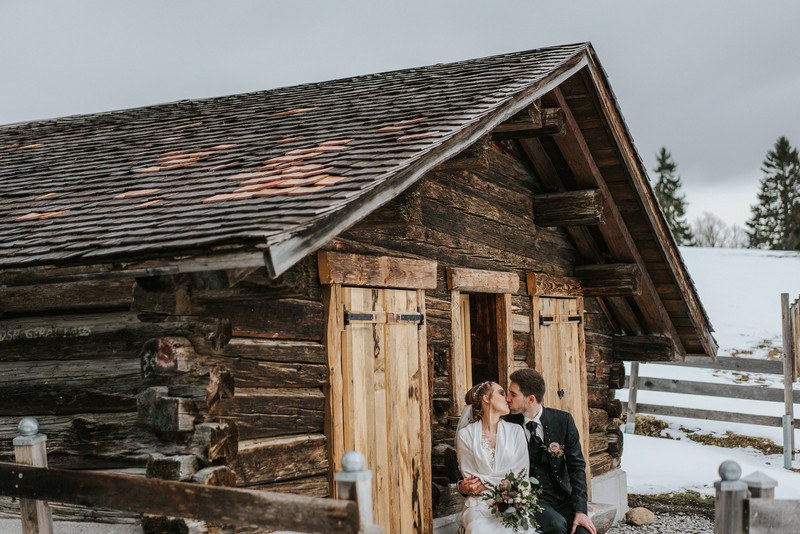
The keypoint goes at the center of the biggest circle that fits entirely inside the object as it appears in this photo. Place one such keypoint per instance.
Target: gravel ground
(668, 522)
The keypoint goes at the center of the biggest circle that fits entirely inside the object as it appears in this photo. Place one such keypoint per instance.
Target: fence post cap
(760, 480)
(28, 432)
(729, 470)
(353, 463)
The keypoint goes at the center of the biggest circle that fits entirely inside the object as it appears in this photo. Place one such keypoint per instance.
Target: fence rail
(35, 485)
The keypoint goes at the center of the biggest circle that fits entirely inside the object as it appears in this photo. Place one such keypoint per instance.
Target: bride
(488, 448)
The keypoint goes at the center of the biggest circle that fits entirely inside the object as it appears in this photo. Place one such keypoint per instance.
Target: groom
(554, 449)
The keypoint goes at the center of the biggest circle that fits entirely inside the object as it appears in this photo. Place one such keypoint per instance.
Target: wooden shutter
(383, 401)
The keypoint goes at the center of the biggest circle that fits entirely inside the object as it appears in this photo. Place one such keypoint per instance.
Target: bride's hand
(471, 486)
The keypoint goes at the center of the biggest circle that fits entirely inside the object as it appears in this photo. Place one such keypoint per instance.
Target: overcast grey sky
(715, 82)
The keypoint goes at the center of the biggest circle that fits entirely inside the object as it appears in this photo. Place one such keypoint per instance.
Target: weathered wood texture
(643, 348)
(713, 390)
(220, 505)
(609, 280)
(570, 208)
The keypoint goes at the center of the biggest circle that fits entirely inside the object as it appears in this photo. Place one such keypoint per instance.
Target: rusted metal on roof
(202, 154)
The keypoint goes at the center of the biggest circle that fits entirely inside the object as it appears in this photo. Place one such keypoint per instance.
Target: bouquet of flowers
(514, 500)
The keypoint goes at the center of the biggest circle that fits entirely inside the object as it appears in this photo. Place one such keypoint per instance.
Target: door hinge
(348, 316)
(418, 317)
(546, 320)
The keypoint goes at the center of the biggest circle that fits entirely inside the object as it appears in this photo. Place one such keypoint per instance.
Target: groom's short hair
(530, 382)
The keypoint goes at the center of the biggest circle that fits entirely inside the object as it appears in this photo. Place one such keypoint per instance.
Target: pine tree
(775, 221)
(669, 197)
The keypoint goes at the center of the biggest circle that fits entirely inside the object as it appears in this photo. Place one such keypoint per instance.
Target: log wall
(226, 370)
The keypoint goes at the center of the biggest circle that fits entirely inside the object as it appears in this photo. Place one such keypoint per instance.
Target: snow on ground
(740, 290)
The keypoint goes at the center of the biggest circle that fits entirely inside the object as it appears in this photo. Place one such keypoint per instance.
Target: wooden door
(384, 402)
(562, 361)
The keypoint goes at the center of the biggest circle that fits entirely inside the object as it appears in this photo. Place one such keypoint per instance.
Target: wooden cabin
(237, 290)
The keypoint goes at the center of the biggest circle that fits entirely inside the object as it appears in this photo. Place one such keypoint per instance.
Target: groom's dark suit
(562, 479)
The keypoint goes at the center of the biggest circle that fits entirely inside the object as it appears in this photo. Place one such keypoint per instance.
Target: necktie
(531, 426)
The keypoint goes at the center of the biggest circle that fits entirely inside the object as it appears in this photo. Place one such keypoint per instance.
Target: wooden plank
(553, 286)
(460, 356)
(642, 348)
(773, 515)
(294, 319)
(334, 403)
(227, 506)
(282, 458)
(728, 363)
(570, 208)
(670, 385)
(505, 339)
(422, 493)
(713, 415)
(610, 279)
(479, 281)
(376, 271)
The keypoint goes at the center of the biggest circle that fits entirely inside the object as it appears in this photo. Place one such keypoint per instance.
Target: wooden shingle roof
(258, 171)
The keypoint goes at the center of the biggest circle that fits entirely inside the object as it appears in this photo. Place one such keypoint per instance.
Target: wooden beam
(642, 349)
(571, 208)
(610, 279)
(52, 274)
(553, 286)
(378, 271)
(621, 245)
(227, 506)
(533, 121)
(479, 281)
(474, 157)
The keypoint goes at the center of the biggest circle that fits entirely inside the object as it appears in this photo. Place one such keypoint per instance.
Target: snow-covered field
(740, 289)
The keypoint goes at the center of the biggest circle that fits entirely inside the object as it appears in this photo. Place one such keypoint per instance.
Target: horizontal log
(265, 374)
(218, 475)
(526, 124)
(274, 350)
(261, 413)
(77, 297)
(163, 413)
(728, 363)
(570, 208)
(598, 442)
(713, 415)
(602, 462)
(480, 281)
(102, 336)
(713, 390)
(616, 376)
(279, 459)
(316, 486)
(609, 280)
(71, 387)
(227, 506)
(379, 271)
(169, 295)
(180, 467)
(474, 157)
(598, 420)
(615, 442)
(274, 319)
(643, 349)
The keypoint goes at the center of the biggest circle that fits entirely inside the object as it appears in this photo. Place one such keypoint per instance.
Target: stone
(640, 516)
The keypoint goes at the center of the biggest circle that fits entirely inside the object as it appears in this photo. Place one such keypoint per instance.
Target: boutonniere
(555, 450)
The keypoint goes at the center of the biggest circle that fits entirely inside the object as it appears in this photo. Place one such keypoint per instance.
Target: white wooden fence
(787, 367)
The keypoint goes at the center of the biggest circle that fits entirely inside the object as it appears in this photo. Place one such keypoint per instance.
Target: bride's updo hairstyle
(474, 398)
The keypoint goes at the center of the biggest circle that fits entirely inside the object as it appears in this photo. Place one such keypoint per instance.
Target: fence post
(760, 485)
(355, 483)
(788, 373)
(730, 496)
(30, 448)
(633, 388)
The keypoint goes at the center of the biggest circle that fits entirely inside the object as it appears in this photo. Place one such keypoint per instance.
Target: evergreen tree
(775, 221)
(669, 197)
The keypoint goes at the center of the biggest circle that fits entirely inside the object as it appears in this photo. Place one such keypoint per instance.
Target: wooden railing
(748, 505)
(35, 485)
(787, 368)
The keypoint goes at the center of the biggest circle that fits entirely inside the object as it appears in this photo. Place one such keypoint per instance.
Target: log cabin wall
(476, 211)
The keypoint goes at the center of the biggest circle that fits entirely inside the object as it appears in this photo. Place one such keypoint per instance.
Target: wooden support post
(788, 373)
(633, 387)
(30, 448)
(355, 483)
(729, 517)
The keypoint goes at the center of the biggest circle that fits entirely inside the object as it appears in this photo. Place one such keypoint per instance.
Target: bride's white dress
(475, 457)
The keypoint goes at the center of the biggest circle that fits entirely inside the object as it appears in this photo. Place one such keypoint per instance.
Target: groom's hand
(583, 520)
(471, 486)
